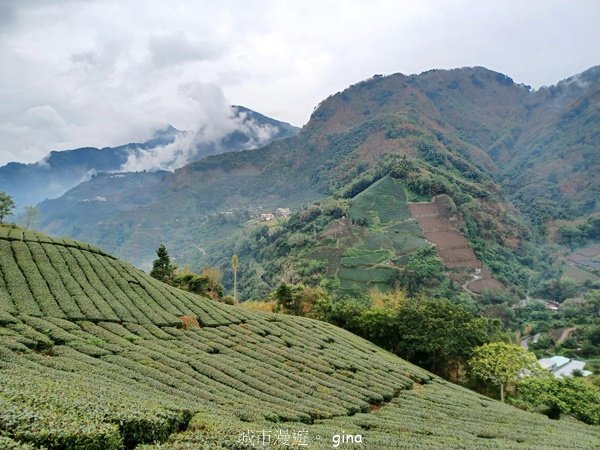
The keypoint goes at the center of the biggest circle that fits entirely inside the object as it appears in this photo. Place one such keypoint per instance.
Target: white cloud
(113, 71)
(215, 120)
(43, 116)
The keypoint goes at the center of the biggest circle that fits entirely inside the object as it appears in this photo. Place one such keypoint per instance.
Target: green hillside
(95, 354)
(356, 244)
(369, 230)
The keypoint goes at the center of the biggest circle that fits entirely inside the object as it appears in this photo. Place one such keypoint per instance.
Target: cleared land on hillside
(588, 257)
(440, 227)
(95, 354)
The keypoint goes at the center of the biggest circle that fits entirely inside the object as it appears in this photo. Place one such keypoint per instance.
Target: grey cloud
(43, 116)
(8, 15)
(85, 58)
(233, 77)
(175, 48)
(116, 71)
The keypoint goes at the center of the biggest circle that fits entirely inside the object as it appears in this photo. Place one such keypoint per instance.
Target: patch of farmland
(586, 258)
(574, 273)
(484, 282)
(440, 226)
(366, 259)
(370, 253)
(95, 354)
(385, 200)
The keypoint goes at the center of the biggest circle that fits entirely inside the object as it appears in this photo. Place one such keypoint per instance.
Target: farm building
(563, 367)
(282, 212)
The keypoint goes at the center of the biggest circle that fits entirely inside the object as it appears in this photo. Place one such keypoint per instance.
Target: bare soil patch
(440, 226)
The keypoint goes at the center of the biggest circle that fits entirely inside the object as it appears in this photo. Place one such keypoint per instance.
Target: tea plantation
(391, 235)
(94, 354)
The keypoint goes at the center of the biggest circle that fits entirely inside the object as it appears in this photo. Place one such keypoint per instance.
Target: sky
(79, 73)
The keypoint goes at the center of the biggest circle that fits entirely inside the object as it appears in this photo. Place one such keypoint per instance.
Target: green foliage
(299, 300)
(434, 333)
(576, 236)
(384, 200)
(284, 296)
(557, 290)
(439, 334)
(6, 205)
(500, 363)
(558, 396)
(326, 243)
(198, 284)
(431, 154)
(424, 269)
(162, 269)
(75, 379)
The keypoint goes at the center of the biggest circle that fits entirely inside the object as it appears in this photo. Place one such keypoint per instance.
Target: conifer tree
(234, 267)
(162, 269)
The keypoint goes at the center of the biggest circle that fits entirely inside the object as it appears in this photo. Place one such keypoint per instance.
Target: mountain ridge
(59, 171)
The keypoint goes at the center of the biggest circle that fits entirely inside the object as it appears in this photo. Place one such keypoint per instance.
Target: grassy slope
(93, 354)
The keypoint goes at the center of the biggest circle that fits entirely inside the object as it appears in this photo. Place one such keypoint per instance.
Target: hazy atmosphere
(103, 73)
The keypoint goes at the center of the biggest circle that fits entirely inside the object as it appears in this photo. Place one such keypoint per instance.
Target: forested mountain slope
(520, 158)
(96, 354)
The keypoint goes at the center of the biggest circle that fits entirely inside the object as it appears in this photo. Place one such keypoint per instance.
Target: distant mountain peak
(60, 171)
(168, 130)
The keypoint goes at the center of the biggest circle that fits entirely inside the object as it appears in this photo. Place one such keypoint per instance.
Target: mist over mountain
(236, 128)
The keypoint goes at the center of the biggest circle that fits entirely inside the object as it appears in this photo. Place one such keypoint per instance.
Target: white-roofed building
(563, 367)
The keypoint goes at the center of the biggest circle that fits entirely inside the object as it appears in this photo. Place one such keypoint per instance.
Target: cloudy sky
(99, 73)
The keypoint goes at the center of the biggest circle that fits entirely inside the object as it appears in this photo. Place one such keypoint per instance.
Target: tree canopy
(436, 334)
(423, 269)
(571, 396)
(501, 363)
(7, 205)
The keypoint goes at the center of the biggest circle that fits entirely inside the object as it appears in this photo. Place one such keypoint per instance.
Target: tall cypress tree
(234, 267)
(162, 269)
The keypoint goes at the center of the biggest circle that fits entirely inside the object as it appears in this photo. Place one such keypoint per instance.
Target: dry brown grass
(190, 322)
(258, 305)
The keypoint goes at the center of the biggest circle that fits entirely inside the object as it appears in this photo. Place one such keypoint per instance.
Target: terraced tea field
(95, 354)
(372, 254)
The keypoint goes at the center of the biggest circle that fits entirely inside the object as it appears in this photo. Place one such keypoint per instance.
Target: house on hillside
(552, 305)
(563, 367)
(282, 212)
(267, 216)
